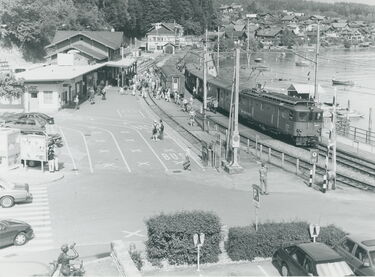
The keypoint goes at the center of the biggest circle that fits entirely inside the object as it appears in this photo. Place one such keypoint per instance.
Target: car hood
(16, 223)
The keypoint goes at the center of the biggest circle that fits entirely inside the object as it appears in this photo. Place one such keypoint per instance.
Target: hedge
(170, 237)
(246, 244)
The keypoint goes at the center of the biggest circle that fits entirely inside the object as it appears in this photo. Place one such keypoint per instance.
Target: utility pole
(334, 140)
(205, 84)
(316, 96)
(248, 43)
(218, 50)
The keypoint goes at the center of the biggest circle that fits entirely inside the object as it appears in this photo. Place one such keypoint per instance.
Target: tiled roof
(161, 31)
(288, 17)
(239, 27)
(78, 46)
(339, 25)
(110, 39)
(269, 32)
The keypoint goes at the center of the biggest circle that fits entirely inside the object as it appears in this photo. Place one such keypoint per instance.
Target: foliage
(246, 244)
(10, 86)
(288, 38)
(170, 237)
(137, 259)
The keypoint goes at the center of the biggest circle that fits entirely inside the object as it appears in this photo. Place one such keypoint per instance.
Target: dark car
(14, 232)
(47, 118)
(359, 252)
(310, 259)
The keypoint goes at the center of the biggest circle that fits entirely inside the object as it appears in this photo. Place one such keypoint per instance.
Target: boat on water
(340, 111)
(348, 113)
(258, 60)
(342, 83)
(302, 63)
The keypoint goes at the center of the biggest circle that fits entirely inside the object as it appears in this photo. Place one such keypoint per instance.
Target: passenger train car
(298, 120)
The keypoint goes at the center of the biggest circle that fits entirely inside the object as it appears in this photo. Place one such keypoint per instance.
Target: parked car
(14, 232)
(359, 253)
(310, 259)
(28, 125)
(8, 118)
(47, 118)
(11, 193)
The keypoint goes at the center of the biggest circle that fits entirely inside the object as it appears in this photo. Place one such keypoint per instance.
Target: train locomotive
(295, 119)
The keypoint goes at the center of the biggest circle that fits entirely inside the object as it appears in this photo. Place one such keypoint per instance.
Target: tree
(10, 86)
(288, 38)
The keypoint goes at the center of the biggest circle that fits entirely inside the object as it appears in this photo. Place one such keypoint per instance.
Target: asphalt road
(116, 177)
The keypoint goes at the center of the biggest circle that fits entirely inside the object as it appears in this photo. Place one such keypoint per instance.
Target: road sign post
(198, 242)
(314, 158)
(256, 201)
(314, 231)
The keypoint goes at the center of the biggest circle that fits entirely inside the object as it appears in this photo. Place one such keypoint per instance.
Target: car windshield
(334, 269)
(372, 257)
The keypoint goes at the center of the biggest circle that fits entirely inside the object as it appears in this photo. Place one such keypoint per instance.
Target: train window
(291, 115)
(318, 116)
(303, 116)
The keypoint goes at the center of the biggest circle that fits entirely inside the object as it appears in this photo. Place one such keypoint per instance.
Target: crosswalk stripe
(27, 208)
(39, 194)
(38, 190)
(31, 213)
(42, 229)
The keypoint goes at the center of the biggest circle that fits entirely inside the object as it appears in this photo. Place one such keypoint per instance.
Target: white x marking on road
(132, 234)
(181, 162)
(129, 140)
(136, 150)
(143, 163)
(168, 150)
(103, 151)
(105, 165)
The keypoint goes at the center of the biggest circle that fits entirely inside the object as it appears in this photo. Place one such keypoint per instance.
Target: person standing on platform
(263, 171)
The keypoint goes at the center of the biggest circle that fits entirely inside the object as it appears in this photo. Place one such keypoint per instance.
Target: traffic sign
(256, 196)
(314, 231)
(314, 155)
(236, 140)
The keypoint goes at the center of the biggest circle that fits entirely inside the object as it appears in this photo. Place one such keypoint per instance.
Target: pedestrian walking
(263, 171)
(92, 96)
(186, 165)
(191, 101)
(76, 102)
(104, 92)
(192, 117)
(194, 91)
(155, 131)
(161, 130)
(185, 103)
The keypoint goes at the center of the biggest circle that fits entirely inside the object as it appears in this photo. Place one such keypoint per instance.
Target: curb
(31, 183)
(122, 259)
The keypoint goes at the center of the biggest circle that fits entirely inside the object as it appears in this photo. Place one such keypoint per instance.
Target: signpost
(314, 158)
(314, 231)
(198, 242)
(256, 201)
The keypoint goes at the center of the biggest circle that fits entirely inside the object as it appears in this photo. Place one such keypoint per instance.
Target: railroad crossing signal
(236, 140)
(314, 156)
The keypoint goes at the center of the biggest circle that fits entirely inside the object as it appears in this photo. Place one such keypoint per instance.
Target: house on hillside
(289, 19)
(269, 36)
(88, 47)
(162, 33)
(339, 27)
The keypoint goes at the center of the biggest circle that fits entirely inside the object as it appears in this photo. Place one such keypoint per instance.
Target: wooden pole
(218, 50)
(236, 104)
(316, 95)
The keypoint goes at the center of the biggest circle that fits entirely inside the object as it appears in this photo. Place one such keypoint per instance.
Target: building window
(34, 95)
(47, 97)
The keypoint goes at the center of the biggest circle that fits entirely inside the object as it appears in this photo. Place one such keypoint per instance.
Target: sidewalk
(32, 176)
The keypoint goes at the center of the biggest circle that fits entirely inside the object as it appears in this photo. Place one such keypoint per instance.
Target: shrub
(137, 259)
(170, 237)
(246, 244)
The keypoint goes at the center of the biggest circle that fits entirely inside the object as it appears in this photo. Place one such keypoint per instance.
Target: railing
(357, 134)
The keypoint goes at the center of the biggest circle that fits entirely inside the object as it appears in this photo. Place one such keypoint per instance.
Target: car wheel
(7, 201)
(284, 270)
(32, 163)
(20, 239)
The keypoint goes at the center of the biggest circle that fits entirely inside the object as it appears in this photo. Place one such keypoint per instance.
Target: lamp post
(198, 242)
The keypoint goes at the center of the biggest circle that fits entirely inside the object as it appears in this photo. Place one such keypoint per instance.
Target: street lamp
(198, 242)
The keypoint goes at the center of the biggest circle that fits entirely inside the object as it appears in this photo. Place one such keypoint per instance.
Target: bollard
(297, 166)
(260, 151)
(282, 159)
(269, 154)
(311, 178)
(324, 183)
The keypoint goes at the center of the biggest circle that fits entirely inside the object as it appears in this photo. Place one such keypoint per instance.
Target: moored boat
(302, 63)
(342, 83)
(258, 60)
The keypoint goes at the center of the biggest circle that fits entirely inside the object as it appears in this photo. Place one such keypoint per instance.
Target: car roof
(366, 241)
(319, 252)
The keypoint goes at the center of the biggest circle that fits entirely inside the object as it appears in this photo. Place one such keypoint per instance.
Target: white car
(11, 193)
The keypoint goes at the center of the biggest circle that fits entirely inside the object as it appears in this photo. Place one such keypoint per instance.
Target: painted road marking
(103, 150)
(143, 163)
(106, 165)
(142, 114)
(136, 150)
(124, 132)
(119, 113)
(130, 140)
(96, 132)
(132, 234)
(263, 271)
(153, 151)
(118, 147)
(70, 152)
(100, 140)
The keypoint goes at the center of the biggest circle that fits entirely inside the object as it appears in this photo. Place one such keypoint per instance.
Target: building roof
(110, 39)
(86, 50)
(304, 88)
(269, 32)
(339, 25)
(239, 27)
(288, 17)
(161, 31)
(320, 252)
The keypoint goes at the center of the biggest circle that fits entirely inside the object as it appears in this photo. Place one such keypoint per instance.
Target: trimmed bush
(246, 244)
(170, 237)
(137, 259)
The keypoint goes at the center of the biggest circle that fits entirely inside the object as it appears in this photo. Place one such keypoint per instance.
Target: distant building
(88, 47)
(269, 36)
(162, 33)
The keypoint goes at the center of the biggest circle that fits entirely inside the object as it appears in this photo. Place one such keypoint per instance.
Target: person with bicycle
(64, 259)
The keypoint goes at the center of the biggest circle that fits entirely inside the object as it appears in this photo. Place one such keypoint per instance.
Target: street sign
(256, 196)
(195, 238)
(314, 155)
(314, 231)
(236, 140)
(201, 238)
